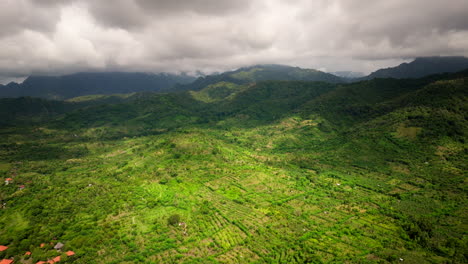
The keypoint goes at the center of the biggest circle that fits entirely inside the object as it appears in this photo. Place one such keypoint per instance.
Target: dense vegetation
(421, 67)
(80, 84)
(259, 73)
(270, 172)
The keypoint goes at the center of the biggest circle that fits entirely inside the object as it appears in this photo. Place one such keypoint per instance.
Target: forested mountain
(266, 72)
(241, 171)
(68, 86)
(421, 67)
(224, 84)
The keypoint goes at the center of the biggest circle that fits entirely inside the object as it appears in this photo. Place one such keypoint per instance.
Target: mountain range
(69, 86)
(79, 84)
(421, 67)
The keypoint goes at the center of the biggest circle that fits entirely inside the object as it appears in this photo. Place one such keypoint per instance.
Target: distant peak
(12, 83)
(439, 58)
(266, 66)
(423, 66)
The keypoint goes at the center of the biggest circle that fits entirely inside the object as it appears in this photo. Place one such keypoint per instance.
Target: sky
(54, 37)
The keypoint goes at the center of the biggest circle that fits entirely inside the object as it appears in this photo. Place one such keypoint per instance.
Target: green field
(273, 172)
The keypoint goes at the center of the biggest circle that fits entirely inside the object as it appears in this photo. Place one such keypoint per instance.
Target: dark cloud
(209, 7)
(131, 14)
(63, 36)
(125, 14)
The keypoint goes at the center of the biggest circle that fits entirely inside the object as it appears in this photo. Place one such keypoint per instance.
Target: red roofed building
(6, 261)
(56, 259)
(8, 180)
(3, 248)
(41, 262)
(42, 245)
(70, 253)
(51, 261)
(28, 253)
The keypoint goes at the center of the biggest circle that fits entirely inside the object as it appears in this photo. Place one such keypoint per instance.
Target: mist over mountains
(68, 86)
(79, 84)
(349, 74)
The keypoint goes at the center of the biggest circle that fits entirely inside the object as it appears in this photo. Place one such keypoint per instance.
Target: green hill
(234, 172)
(257, 73)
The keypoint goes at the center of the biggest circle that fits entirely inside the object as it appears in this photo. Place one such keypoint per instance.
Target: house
(6, 261)
(59, 246)
(70, 253)
(28, 253)
(8, 181)
(56, 259)
(3, 248)
(42, 245)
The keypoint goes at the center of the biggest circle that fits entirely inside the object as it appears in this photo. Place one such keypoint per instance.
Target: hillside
(79, 84)
(23, 111)
(257, 73)
(421, 67)
(264, 172)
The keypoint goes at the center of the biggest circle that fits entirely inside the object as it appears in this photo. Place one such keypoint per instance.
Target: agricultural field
(276, 172)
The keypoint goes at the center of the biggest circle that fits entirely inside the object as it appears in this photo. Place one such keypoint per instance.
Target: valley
(257, 172)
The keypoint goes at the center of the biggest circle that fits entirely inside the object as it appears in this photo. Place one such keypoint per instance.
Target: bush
(173, 220)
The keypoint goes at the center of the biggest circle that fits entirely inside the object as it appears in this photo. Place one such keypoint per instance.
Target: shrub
(173, 219)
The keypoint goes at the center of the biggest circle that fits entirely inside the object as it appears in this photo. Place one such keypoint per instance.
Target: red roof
(56, 259)
(3, 248)
(41, 262)
(8, 179)
(70, 253)
(28, 253)
(6, 261)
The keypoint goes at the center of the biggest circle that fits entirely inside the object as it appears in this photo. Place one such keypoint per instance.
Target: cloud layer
(64, 36)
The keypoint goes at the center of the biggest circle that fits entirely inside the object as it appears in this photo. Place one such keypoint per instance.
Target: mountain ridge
(422, 66)
(263, 72)
(87, 83)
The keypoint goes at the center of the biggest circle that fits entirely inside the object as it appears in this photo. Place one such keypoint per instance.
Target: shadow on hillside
(35, 152)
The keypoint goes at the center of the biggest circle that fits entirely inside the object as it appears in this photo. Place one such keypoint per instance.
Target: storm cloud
(60, 36)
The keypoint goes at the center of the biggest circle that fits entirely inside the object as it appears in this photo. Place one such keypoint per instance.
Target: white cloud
(56, 37)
